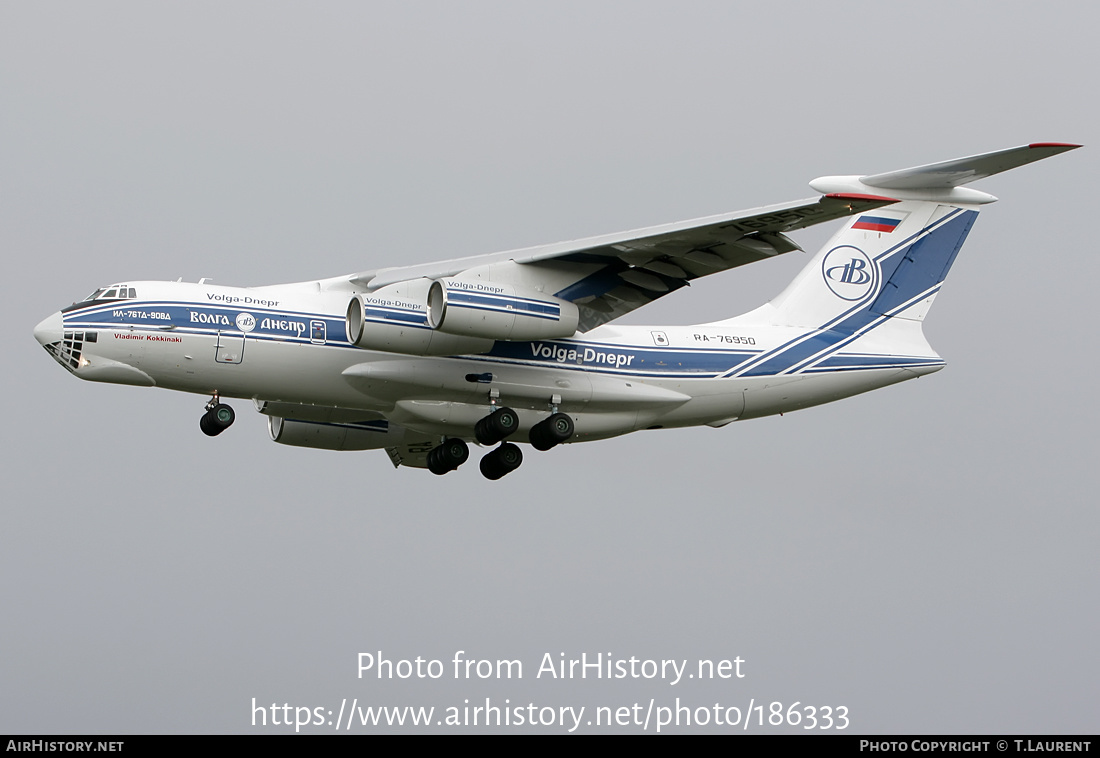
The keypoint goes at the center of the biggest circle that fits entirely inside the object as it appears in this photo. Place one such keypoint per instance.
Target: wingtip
(1064, 145)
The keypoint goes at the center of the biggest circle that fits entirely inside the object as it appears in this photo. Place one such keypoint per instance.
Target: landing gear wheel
(551, 431)
(216, 420)
(504, 460)
(448, 456)
(496, 426)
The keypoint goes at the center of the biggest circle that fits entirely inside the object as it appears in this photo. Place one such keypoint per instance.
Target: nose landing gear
(217, 419)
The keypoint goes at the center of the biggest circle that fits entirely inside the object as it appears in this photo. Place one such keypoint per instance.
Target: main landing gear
(504, 460)
(448, 456)
(551, 431)
(496, 426)
(217, 419)
(500, 424)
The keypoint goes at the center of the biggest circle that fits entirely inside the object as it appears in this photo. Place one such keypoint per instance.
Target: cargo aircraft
(520, 346)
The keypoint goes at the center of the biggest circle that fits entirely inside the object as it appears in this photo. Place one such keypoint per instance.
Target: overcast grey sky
(923, 555)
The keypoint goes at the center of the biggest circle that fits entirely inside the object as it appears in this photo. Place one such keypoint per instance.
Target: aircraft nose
(51, 329)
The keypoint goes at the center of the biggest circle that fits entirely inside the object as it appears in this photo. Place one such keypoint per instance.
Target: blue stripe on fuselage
(192, 318)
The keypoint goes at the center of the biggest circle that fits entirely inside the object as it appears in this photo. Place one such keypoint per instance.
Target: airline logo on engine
(456, 284)
(385, 302)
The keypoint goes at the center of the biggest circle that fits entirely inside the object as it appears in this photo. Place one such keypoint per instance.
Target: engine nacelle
(363, 435)
(498, 311)
(382, 321)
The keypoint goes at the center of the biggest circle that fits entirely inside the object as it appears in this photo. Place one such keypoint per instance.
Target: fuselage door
(230, 348)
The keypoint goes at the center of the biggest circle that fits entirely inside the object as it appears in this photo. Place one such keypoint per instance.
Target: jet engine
(383, 322)
(498, 311)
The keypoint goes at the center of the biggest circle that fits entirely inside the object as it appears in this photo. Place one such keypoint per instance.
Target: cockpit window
(114, 292)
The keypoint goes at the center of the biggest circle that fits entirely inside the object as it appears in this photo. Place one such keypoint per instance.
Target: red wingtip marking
(853, 196)
(1053, 144)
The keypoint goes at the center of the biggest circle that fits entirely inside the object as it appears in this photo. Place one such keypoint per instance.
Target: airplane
(519, 346)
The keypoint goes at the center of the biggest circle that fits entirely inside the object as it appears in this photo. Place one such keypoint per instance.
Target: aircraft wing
(613, 274)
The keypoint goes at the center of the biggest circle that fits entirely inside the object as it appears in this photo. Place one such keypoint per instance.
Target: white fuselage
(286, 346)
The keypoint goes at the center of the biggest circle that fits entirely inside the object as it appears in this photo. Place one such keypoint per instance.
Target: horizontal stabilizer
(942, 182)
(960, 171)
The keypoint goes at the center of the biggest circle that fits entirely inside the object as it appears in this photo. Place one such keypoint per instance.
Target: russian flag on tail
(876, 224)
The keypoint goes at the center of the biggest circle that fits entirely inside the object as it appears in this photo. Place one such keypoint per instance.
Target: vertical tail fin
(890, 262)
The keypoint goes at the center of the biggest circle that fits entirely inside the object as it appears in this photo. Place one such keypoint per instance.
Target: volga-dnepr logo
(849, 272)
